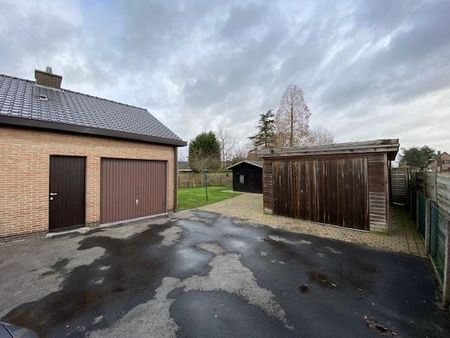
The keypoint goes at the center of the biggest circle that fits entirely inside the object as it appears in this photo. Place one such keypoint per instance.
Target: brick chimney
(47, 78)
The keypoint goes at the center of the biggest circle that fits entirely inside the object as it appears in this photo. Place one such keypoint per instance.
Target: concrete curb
(58, 234)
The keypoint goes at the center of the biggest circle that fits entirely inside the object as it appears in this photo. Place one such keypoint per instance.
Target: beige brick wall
(24, 177)
(445, 166)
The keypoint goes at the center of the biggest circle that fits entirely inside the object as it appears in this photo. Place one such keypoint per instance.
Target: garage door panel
(132, 188)
(117, 191)
(151, 188)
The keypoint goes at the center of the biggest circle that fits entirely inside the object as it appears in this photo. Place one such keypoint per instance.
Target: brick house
(440, 163)
(70, 159)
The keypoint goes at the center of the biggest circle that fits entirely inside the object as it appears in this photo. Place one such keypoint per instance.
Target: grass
(189, 198)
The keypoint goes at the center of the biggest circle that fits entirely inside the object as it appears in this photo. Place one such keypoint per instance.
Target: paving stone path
(404, 237)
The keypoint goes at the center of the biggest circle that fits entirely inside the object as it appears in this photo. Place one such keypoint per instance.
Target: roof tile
(21, 98)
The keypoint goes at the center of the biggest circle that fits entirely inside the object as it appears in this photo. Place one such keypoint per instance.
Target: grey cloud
(28, 39)
(201, 64)
(224, 74)
(405, 68)
(242, 19)
(383, 16)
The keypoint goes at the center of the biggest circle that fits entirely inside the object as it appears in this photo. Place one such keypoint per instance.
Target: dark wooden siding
(132, 189)
(328, 204)
(252, 178)
(330, 191)
(267, 186)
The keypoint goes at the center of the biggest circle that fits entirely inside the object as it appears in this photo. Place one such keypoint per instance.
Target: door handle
(53, 193)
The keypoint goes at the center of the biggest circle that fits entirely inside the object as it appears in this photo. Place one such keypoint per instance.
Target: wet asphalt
(200, 274)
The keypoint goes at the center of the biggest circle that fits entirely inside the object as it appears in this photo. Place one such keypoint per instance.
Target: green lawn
(189, 198)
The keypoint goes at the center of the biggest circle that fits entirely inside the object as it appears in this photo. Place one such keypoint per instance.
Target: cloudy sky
(369, 69)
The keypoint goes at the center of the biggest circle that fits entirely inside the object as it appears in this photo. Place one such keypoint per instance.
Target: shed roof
(389, 146)
(255, 163)
(24, 103)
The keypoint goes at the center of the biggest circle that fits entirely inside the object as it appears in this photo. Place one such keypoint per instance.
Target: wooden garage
(343, 184)
(247, 176)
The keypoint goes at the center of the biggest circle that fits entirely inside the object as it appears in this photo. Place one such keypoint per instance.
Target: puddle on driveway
(58, 267)
(136, 266)
(320, 279)
(94, 296)
(135, 282)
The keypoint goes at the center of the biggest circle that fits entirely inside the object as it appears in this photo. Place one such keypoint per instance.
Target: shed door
(132, 189)
(330, 191)
(67, 192)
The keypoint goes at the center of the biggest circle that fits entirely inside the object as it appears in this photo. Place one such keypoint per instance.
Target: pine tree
(265, 138)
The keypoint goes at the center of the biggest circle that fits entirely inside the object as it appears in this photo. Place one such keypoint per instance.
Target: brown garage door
(131, 189)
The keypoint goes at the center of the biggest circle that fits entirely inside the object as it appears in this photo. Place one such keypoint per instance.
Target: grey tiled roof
(67, 110)
(183, 165)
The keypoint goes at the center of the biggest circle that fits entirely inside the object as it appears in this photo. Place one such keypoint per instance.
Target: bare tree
(227, 143)
(241, 152)
(198, 162)
(292, 118)
(320, 135)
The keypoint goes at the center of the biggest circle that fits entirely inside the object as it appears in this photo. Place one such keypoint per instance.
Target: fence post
(446, 281)
(417, 210)
(427, 225)
(435, 186)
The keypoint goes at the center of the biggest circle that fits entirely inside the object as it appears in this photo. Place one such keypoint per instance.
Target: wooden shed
(247, 176)
(344, 184)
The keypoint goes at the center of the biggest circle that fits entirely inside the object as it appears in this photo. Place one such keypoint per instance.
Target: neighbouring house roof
(440, 156)
(389, 146)
(255, 163)
(437, 161)
(184, 166)
(24, 103)
(437, 158)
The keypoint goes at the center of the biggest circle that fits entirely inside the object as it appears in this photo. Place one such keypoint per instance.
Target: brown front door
(67, 192)
(132, 189)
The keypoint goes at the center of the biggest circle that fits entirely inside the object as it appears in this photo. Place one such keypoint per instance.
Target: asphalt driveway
(199, 274)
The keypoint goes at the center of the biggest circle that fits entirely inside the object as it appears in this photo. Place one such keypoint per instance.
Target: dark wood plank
(332, 191)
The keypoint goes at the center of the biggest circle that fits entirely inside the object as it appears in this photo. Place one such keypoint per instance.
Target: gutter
(26, 122)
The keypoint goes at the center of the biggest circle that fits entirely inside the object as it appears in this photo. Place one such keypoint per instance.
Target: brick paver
(404, 237)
